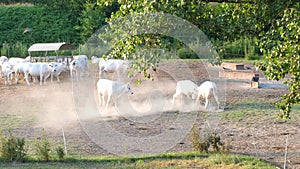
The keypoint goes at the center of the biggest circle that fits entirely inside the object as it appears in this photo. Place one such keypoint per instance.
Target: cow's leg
(99, 99)
(88, 69)
(71, 73)
(10, 79)
(45, 78)
(26, 78)
(174, 97)
(206, 102)
(5, 80)
(216, 98)
(51, 78)
(108, 100)
(41, 79)
(17, 77)
(77, 75)
(103, 100)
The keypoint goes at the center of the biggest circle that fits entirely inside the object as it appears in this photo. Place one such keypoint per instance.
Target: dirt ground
(146, 122)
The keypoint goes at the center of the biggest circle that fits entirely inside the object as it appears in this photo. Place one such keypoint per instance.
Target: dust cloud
(56, 105)
(150, 100)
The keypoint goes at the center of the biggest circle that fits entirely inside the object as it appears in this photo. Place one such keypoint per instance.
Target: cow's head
(3, 59)
(52, 67)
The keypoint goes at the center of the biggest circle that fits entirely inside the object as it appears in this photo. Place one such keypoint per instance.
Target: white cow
(113, 66)
(111, 89)
(95, 59)
(207, 90)
(17, 64)
(79, 65)
(18, 68)
(185, 87)
(3, 59)
(37, 69)
(58, 67)
(7, 70)
(14, 60)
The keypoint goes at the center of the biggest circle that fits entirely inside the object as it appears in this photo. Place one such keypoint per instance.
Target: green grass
(249, 108)
(11, 121)
(249, 112)
(240, 60)
(167, 160)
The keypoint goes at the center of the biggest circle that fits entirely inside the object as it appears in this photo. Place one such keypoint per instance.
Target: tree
(93, 17)
(274, 22)
(281, 48)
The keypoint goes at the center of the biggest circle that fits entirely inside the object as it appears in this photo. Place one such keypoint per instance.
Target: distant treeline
(45, 25)
(71, 21)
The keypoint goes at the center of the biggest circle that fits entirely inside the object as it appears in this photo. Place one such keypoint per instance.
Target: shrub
(186, 53)
(244, 47)
(202, 143)
(60, 153)
(5, 49)
(43, 148)
(198, 143)
(215, 141)
(14, 50)
(13, 148)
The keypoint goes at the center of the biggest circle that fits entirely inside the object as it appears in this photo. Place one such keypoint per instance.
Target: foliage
(47, 25)
(43, 148)
(93, 17)
(243, 47)
(273, 20)
(14, 50)
(197, 142)
(202, 143)
(186, 53)
(281, 48)
(5, 49)
(13, 148)
(166, 160)
(60, 153)
(142, 24)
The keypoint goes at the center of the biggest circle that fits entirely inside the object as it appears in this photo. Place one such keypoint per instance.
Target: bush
(43, 148)
(14, 50)
(244, 47)
(198, 143)
(48, 25)
(202, 143)
(186, 53)
(60, 153)
(13, 149)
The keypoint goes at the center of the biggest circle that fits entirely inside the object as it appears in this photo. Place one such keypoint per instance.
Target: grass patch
(237, 60)
(167, 160)
(11, 121)
(250, 108)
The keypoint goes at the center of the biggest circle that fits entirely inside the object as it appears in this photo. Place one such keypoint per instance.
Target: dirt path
(74, 108)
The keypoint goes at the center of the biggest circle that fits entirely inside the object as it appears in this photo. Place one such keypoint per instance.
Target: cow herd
(107, 89)
(18, 66)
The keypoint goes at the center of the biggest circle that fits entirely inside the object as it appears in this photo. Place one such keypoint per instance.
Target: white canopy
(50, 47)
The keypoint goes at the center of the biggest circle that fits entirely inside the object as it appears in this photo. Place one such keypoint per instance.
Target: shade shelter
(50, 47)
